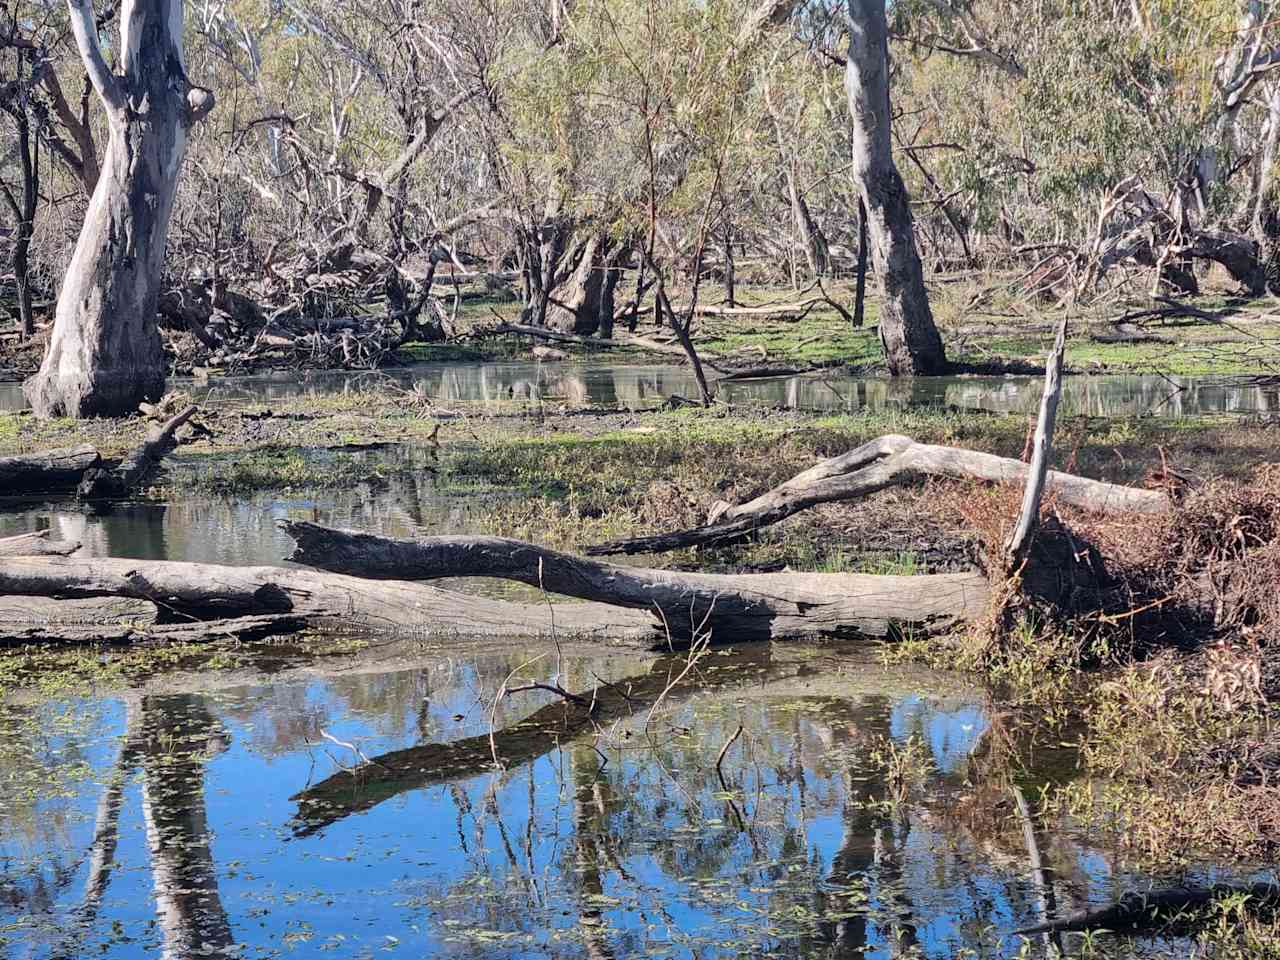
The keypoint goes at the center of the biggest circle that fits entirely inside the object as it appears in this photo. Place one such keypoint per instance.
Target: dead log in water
(123, 620)
(36, 544)
(762, 606)
(882, 463)
(47, 470)
(214, 591)
(161, 440)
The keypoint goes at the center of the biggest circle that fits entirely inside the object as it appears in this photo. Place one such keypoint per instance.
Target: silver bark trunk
(105, 355)
(911, 341)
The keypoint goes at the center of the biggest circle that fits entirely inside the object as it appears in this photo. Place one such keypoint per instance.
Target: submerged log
(47, 470)
(761, 606)
(351, 604)
(120, 482)
(36, 544)
(882, 463)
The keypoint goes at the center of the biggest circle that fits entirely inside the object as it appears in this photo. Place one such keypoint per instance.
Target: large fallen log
(47, 470)
(762, 606)
(349, 603)
(159, 443)
(886, 462)
(36, 544)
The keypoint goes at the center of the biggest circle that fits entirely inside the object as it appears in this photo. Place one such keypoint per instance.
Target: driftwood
(349, 603)
(1137, 910)
(764, 606)
(36, 544)
(120, 482)
(1038, 472)
(47, 470)
(886, 462)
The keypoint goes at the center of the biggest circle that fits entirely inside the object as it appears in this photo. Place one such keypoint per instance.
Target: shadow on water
(639, 387)
(360, 811)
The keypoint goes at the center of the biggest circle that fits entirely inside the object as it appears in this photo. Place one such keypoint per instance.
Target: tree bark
(47, 470)
(885, 462)
(576, 304)
(766, 606)
(907, 331)
(210, 590)
(36, 545)
(120, 482)
(104, 355)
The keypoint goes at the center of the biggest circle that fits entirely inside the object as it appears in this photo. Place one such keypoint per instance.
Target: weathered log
(211, 590)
(47, 470)
(764, 606)
(886, 462)
(36, 544)
(28, 620)
(1042, 446)
(160, 442)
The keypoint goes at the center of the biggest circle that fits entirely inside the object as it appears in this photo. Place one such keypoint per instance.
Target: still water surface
(638, 387)
(356, 812)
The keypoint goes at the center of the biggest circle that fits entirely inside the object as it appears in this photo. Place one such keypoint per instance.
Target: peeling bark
(105, 355)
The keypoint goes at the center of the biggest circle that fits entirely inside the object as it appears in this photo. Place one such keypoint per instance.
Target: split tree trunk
(105, 355)
(907, 331)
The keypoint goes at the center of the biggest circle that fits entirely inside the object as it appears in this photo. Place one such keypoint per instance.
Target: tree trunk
(910, 339)
(759, 606)
(47, 470)
(201, 589)
(105, 355)
(576, 305)
(882, 463)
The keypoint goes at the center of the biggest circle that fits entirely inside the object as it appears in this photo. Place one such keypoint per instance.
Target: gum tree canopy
(104, 355)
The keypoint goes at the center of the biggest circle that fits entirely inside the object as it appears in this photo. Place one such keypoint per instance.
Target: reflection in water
(352, 815)
(638, 387)
(241, 529)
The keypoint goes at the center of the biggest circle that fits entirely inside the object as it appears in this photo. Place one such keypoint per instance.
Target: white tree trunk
(911, 341)
(104, 355)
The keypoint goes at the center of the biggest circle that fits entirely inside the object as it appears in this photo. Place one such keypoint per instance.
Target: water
(638, 387)
(351, 809)
(241, 529)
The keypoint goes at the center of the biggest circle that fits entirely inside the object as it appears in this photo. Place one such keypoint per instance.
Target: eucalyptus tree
(104, 355)
(908, 334)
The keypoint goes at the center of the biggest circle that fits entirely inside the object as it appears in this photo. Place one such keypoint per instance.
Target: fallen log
(348, 603)
(47, 470)
(763, 606)
(36, 544)
(26, 620)
(886, 462)
(161, 440)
